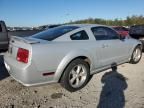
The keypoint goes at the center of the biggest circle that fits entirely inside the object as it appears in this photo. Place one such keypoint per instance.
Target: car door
(111, 48)
(3, 39)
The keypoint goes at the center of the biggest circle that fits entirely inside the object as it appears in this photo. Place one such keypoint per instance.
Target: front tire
(136, 55)
(76, 75)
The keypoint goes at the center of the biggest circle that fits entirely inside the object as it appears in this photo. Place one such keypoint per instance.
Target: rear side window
(0, 28)
(82, 35)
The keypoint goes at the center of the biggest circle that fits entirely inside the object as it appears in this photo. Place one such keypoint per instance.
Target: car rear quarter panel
(69, 57)
(54, 57)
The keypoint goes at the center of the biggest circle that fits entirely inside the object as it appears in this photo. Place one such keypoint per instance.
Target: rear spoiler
(24, 39)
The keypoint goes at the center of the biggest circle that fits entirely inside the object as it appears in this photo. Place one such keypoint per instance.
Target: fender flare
(67, 59)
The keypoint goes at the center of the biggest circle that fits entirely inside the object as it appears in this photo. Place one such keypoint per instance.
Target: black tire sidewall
(132, 60)
(65, 78)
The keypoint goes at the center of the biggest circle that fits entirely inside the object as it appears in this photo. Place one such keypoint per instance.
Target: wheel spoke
(78, 69)
(82, 74)
(73, 72)
(137, 55)
(136, 52)
(72, 80)
(78, 75)
(77, 81)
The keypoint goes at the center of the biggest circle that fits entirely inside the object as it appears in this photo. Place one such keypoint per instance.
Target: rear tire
(76, 75)
(136, 55)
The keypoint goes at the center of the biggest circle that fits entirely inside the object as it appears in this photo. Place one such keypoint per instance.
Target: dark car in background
(3, 36)
(6, 33)
(123, 31)
(137, 32)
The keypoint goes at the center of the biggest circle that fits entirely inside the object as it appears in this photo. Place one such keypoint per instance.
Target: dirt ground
(123, 88)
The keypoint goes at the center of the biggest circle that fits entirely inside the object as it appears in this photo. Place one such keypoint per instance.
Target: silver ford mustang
(69, 55)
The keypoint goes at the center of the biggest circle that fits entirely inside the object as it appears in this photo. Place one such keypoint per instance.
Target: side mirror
(122, 37)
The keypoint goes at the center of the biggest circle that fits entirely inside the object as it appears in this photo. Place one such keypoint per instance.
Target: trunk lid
(24, 43)
(19, 42)
(26, 40)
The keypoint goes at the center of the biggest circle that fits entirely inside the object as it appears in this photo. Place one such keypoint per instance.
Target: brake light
(22, 55)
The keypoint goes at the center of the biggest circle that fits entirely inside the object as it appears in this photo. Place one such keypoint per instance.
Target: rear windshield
(54, 33)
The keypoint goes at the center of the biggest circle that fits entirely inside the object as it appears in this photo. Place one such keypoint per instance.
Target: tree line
(129, 21)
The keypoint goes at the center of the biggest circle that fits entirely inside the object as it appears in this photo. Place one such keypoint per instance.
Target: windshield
(54, 33)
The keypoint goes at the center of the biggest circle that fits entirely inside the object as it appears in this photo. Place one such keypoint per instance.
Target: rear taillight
(22, 55)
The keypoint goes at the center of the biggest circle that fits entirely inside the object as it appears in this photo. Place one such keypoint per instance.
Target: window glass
(0, 28)
(82, 35)
(125, 29)
(100, 33)
(112, 34)
(117, 28)
(104, 33)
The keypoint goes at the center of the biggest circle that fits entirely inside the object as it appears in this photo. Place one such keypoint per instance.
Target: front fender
(68, 58)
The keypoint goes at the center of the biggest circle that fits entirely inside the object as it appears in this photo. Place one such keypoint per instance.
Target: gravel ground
(121, 89)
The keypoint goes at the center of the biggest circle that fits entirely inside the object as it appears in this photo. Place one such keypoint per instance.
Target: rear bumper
(27, 75)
